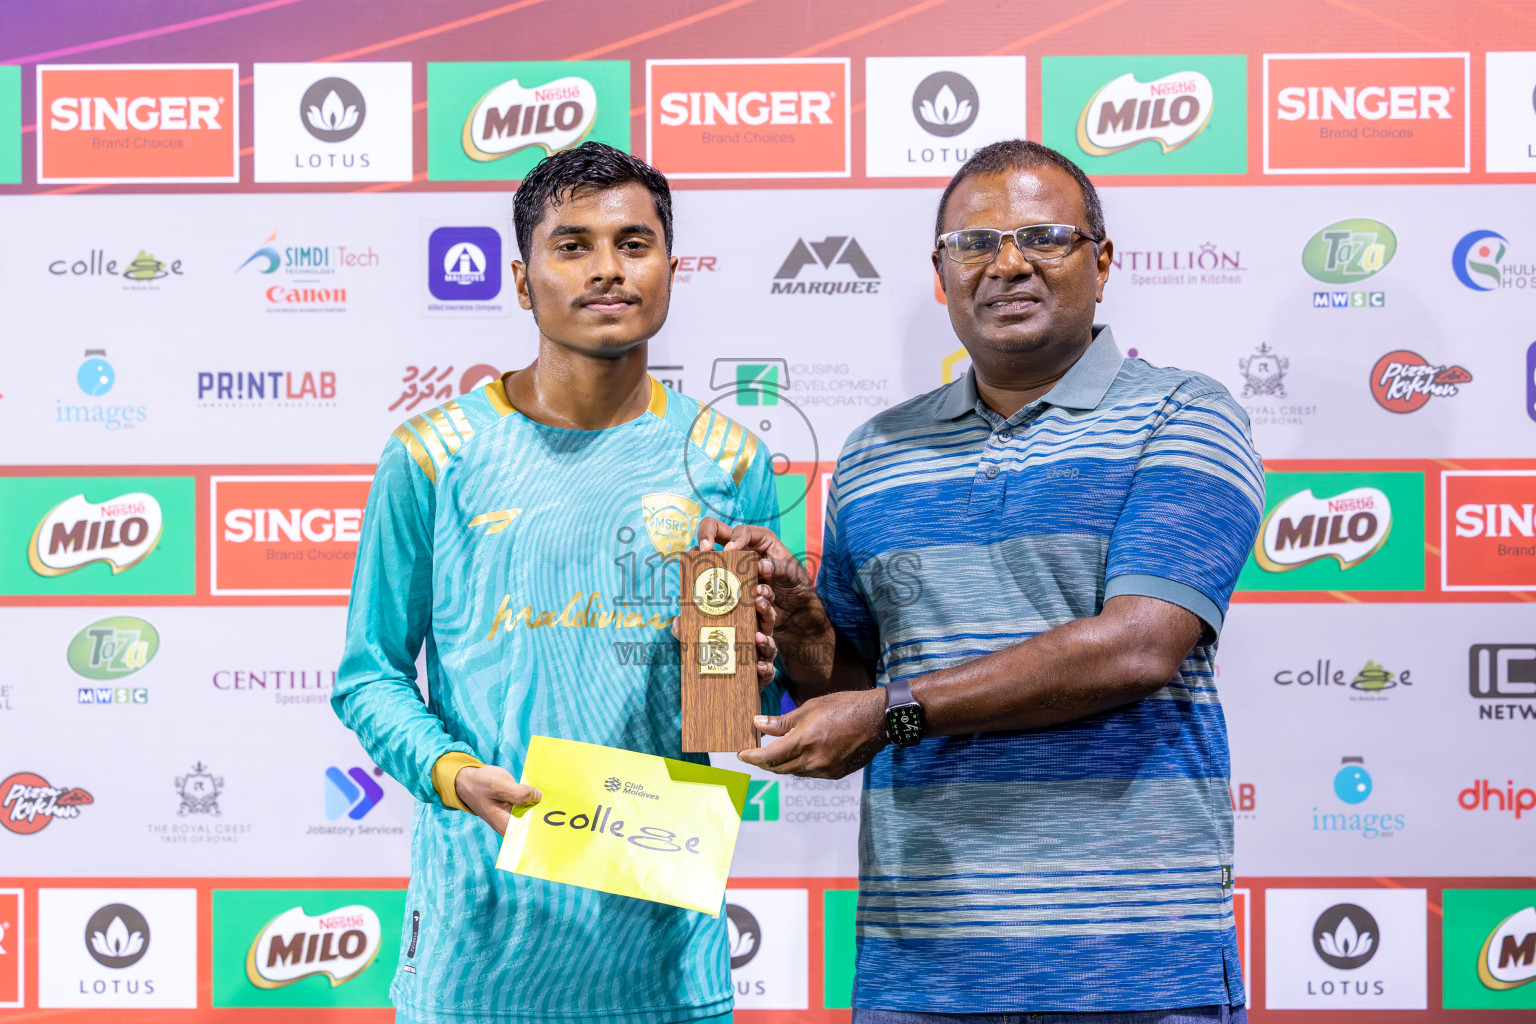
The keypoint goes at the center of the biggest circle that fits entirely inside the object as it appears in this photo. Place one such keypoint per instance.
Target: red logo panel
(285, 535)
(1488, 530)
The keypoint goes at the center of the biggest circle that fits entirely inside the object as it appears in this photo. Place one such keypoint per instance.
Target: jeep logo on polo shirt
(1304, 528)
(1171, 111)
(834, 265)
(510, 118)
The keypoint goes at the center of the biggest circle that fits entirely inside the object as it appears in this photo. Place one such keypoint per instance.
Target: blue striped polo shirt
(1087, 866)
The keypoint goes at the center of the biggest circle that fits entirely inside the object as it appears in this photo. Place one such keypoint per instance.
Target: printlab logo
(333, 110)
(95, 378)
(745, 934)
(1478, 262)
(464, 266)
(1345, 936)
(199, 791)
(830, 254)
(436, 384)
(29, 804)
(254, 389)
(1504, 673)
(945, 104)
(117, 936)
(762, 801)
(926, 116)
(1353, 786)
(1403, 381)
(352, 793)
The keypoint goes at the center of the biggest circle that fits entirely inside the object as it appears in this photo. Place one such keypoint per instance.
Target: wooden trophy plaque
(718, 629)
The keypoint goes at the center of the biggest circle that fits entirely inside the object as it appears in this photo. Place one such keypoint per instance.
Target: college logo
(95, 378)
(1348, 527)
(494, 121)
(141, 272)
(113, 648)
(105, 123)
(1488, 530)
(764, 118)
(464, 264)
(1148, 115)
(117, 936)
(285, 535)
(1489, 957)
(1404, 381)
(925, 116)
(1390, 113)
(28, 803)
(830, 254)
(75, 533)
(352, 793)
(1371, 679)
(333, 122)
(1345, 936)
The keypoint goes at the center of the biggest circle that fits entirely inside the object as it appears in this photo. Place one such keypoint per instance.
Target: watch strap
(897, 693)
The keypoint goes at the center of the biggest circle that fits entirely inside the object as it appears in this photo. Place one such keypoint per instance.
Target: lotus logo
(1476, 260)
(75, 533)
(511, 118)
(1170, 111)
(945, 104)
(332, 110)
(746, 936)
(295, 945)
(1351, 250)
(1304, 528)
(1345, 936)
(117, 936)
(1508, 956)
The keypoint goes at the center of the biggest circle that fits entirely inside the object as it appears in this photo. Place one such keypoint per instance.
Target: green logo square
(10, 124)
(757, 384)
(305, 947)
(168, 562)
(493, 121)
(762, 801)
(839, 949)
(1488, 960)
(1148, 115)
(1339, 531)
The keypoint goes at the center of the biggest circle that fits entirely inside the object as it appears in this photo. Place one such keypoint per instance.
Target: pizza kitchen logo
(1348, 527)
(29, 804)
(1170, 111)
(1404, 381)
(75, 533)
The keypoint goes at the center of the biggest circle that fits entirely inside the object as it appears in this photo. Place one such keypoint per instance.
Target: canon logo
(1496, 520)
(144, 113)
(1373, 103)
(271, 525)
(702, 108)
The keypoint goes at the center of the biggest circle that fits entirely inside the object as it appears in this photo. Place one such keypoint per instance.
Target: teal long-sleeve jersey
(534, 563)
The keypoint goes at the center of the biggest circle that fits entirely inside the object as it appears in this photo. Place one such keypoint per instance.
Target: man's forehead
(1019, 195)
(609, 208)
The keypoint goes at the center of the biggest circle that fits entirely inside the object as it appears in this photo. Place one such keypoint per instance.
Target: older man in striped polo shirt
(1022, 581)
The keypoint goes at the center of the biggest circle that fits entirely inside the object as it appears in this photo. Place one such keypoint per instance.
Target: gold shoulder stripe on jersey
(743, 460)
(497, 396)
(700, 426)
(430, 439)
(716, 438)
(658, 406)
(413, 445)
(495, 521)
(459, 420)
(731, 445)
(450, 436)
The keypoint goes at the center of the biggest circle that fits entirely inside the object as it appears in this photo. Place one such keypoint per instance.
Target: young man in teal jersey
(525, 533)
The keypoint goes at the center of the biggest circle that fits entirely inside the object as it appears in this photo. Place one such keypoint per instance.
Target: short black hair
(590, 167)
(1021, 154)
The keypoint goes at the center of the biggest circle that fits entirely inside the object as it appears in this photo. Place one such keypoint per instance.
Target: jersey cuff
(445, 769)
(1172, 591)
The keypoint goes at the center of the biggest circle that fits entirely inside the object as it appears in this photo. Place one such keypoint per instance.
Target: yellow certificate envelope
(633, 824)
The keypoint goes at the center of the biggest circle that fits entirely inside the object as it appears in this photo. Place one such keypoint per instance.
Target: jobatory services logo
(1489, 949)
(764, 118)
(285, 535)
(1148, 115)
(1345, 949)
(266, 389)
(1509, 95)
(1404, 381)
(1367, 113)
(837, 266)
(1349, 252)
(94, 378)
(1488, 530)
(493, 121)
(29, 804)
(925, 116)
(137, 123)
(333, 122)
(117, 948)
(351, 793)
(1502, 677)
(1480, 263)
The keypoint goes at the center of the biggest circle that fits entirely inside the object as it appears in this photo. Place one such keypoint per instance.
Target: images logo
(1353, 783)
(105, 123)
(295, 945)
(353, 794)
(494, 121)
(95, 375)
(1492, 544)
(1353, 786)
(28, 803)
(761, 118)
(113, 648)
(1388, 113)
(831, 252)
(1345, 936)
(1403, 381)
(1489, 958)
(117, 936)
(1349, 251)
(1301, 529)
(464, 264)
(95, 378)
(75, 533)
(762, 801)
(285, 535)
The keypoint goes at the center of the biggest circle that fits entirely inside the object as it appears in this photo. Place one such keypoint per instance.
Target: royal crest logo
(75, 533)
(199, 792)
(671, 521)
(1264, 373)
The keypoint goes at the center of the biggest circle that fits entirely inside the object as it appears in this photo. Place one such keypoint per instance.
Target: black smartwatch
(904, 719)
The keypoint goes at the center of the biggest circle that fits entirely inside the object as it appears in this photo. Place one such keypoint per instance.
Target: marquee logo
(1170, 111)
(761, 118)
(106, 123)
(1374, 113)
(295, 945)
(113, 648)
(29, 804)
(1404, 381)
(511, 118)
(831, 254)
(1349, 528)
(285, 535)
(75, 533)
(1488, 530)
(1349, 251)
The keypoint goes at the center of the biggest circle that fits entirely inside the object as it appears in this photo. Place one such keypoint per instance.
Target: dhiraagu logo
(1351, 250)
(762, 801)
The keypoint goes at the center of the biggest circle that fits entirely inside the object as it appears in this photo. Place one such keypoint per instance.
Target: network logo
(353, 793)
(464, 264)
(762, 801)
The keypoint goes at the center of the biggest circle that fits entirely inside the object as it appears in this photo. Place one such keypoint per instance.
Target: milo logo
(511, 118)
(1304, 528)
(1170, 111)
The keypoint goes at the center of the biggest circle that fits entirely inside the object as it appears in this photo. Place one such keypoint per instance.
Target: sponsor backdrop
(246, 240)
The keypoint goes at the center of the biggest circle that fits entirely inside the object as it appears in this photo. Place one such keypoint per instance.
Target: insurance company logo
(121, 532)
(94, 378)
(140, 273)
(104, 123)
(1404, 381)
(340, 945)
(1348, 527)
(464, 266)
(1353, 786)
(837, 264)
(1489, 954)
(494, 121)
(29, 804)
(285, 535)
(13, 985)
(113, 648)
(925, 116)
(1389, 113)
(260, 389)
(765, 118)
(351, 793)
(762, 801)
(1479, 262)
(117, 936)
(1488, 530)
(333, 122)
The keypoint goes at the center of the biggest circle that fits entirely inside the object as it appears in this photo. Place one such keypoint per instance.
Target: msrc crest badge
(671, 521)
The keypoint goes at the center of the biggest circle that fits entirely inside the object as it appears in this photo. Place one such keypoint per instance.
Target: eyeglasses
(1035, 241)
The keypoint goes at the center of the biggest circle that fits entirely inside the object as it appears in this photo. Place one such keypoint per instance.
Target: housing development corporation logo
(29, 804)
(1384, 113)
(333, 122)
(762, 801)
(105, 123)
(1403, 381)
(925, 116)
(1488, 530)
(765, 118)
(121, 532)
(839, 256)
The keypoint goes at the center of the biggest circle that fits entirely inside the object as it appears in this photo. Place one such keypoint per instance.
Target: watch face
(905, 724)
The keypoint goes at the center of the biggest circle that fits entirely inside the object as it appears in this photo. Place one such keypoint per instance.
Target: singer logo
(1382, 113)
(75, 533)
(285, 535)
(295, 945)
(1488, 529)
(748, 119)
(1171, 111)
(1303, 528)
(511, 118)
(104, 123)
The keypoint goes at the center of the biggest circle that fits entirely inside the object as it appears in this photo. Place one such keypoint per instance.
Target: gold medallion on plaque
(717, 651)
(716, 591)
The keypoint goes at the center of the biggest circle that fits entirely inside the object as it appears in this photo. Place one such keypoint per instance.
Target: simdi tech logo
(492, 121)
(285, 535)
(1488, 530)
(333, 122)
(1488, 960)
(1148, 115)
(766, 118)
(1367, 113)
(137, 123)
